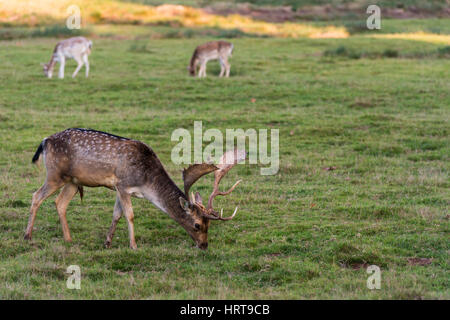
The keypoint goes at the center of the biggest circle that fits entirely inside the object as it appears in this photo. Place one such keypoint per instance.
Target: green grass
(382, 122)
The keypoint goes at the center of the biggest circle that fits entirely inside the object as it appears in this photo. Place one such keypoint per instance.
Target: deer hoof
(27, 236)
(107, 244)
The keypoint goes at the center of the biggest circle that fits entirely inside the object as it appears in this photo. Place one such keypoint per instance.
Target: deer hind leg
(62, 201)
(86, 64)
(80, 64)
(117, 214)
(125, 202)
(38, 197)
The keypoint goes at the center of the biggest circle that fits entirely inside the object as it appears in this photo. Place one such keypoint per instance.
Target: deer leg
(202, 73)
(125, 202)
(62, 63)
(117, 214)
(227, 66)
(86, 64)
(222, 68)
(80, 64)
(62, 201)
(38, 197)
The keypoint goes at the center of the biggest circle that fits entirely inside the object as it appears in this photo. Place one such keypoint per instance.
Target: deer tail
(39, 150)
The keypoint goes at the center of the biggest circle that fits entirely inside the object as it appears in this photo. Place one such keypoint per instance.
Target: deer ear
(198, 197)
(184, 204)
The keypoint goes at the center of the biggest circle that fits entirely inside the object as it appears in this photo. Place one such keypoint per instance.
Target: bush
(390, 53)
(444, 51)
(342, 52)
(11, 34)
(57, 31)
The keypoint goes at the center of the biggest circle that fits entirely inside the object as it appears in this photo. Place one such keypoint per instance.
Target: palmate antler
(194, 172)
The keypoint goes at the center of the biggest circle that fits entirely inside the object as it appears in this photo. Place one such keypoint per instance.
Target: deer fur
(82, 157)
(214, 50)
(77, 48)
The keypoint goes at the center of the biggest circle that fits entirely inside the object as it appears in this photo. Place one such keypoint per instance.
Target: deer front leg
(202, 73)
(125, 202)
(62, 63)
(38, 197)
(62, 201)
(80, 64)
(222, 68)
(227, 66)
(117, 214)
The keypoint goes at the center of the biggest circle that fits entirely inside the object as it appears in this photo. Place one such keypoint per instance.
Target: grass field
(382, 120)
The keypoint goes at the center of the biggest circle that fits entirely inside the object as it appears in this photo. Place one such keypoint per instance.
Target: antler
(206, 213)
(195, 172)
(226, 162)
(213, 217)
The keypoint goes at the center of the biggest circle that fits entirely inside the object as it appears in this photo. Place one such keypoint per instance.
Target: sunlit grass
(29, 12)
(417, 36)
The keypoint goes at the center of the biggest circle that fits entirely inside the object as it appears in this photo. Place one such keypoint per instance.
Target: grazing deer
(80, 157)
(213, 50)
(77, 48)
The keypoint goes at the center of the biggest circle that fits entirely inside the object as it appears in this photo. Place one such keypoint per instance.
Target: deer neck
(165, 194)
(52, 62)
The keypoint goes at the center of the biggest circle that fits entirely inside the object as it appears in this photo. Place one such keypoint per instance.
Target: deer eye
(196, 226)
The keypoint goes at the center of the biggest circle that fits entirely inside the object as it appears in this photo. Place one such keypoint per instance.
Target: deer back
(95, 158)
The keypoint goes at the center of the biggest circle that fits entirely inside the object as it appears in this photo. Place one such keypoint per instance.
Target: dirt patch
(419, 261)
(268, 14)
(355, 266)
(324, 12)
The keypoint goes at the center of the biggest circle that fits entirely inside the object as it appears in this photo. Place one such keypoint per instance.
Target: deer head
(191, 70)
(194, 207)
(47, 69)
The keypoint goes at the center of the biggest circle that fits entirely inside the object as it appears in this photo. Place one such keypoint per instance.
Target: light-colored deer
(77, 48)
(213, 50)
(80, 157)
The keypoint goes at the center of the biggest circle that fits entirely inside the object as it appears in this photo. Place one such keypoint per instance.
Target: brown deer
(77, 48)
(82, 157)
(213, 50)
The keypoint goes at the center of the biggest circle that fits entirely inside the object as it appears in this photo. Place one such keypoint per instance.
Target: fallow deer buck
(82, 157)
(213, 50)
(77, 48)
